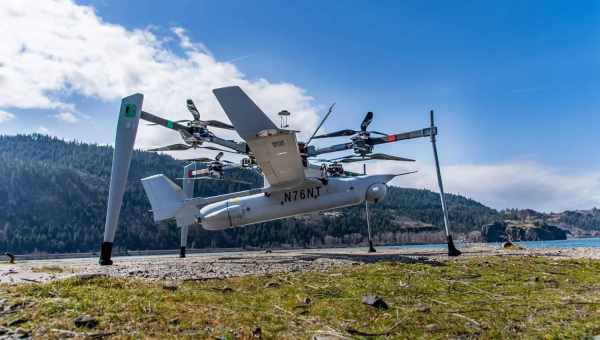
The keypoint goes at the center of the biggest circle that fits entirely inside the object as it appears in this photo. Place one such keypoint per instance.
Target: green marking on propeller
(169, 124)
(128, 110)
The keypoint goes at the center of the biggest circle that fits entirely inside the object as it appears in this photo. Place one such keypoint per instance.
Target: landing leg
(371, 248)
(452, 251)
(129, 117)
(184, 236)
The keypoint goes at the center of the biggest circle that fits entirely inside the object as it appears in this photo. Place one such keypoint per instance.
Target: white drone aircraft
(292, 187)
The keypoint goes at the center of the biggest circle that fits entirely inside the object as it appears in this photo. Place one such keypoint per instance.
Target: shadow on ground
(374, 258)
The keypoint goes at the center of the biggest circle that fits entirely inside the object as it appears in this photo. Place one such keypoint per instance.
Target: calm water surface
(593, 242)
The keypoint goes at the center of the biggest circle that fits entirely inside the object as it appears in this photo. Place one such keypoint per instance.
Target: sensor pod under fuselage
(312, 197)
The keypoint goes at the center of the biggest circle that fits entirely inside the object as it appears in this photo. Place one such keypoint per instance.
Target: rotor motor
(376, 192)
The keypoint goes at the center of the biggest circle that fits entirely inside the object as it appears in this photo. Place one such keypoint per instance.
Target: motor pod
(221, 215)
(376, 192)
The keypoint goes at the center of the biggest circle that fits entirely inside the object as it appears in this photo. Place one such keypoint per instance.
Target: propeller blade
(407, 173)
(172, 147)
(378, 133)
(200, 159)
(193, 110)
(340, 133)
(218, 156)
(161, 121)
(237, 181)
(402, 136)
(208, 147)
(175, 121)
(351, 174)
(218, 124)
(366, 121)
(383, 156)
(352, 160)
(320, 124)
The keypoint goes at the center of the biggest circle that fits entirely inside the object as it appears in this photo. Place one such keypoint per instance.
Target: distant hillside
(53, 199)
(580, 223)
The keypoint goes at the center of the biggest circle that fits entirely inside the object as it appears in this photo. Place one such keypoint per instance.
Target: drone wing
(275, 150)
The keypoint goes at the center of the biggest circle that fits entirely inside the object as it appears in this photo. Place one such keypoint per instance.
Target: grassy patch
(492, 297)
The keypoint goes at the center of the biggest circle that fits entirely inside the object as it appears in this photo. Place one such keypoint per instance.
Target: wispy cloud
(508, 185)
(70, 51)
(67, 117)
(6, 116)
(43, 130)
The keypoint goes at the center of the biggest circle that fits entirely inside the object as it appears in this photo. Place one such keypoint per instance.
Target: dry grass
(489, 297)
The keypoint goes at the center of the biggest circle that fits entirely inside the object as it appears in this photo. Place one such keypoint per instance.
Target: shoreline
(221, 265)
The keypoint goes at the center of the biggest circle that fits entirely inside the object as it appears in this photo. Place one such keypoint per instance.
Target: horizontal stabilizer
(165, 197)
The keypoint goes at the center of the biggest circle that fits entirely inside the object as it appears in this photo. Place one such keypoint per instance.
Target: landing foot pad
(105, 254)
(452, 251)
(182, 252)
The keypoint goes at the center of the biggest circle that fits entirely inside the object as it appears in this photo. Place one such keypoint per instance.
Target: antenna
(321, 123)
(283, 115)
(452, 251)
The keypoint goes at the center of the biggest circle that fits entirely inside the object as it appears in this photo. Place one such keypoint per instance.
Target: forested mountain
(53, 199)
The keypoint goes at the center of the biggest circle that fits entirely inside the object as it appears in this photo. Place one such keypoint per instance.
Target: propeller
(192, 108)
(366, 121)
(208, 147)
(172, 147)
(207, 178)
(196, 114)
(207, 159)
(378, 156)
(349, 132)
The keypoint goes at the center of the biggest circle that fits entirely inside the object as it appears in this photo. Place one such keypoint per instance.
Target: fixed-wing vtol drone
(293, 185)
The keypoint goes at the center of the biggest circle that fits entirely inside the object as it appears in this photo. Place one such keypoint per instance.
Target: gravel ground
(208, 266)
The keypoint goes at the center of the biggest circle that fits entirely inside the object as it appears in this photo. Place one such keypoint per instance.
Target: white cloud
(511, 185)
(43, 130)
(54, 49)
(67, 117)
(6, 116)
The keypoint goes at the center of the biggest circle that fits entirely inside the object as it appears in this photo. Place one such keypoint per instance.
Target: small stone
(22, 333)
(174, 322)
(172, 286)
(374, 301)
(432, 327)
(257, 333)
(272, 284)
(423, 308)
(64, 334)
(17, 322)
(551, 283)
(85, 321)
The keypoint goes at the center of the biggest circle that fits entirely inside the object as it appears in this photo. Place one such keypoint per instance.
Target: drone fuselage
(309, 198)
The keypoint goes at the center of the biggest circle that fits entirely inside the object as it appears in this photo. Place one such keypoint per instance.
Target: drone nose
(376, 192)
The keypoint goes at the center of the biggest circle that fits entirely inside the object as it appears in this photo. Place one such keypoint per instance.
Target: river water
(593, 242)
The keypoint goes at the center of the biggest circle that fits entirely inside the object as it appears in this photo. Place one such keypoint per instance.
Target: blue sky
(518, 79)
(514, 83)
